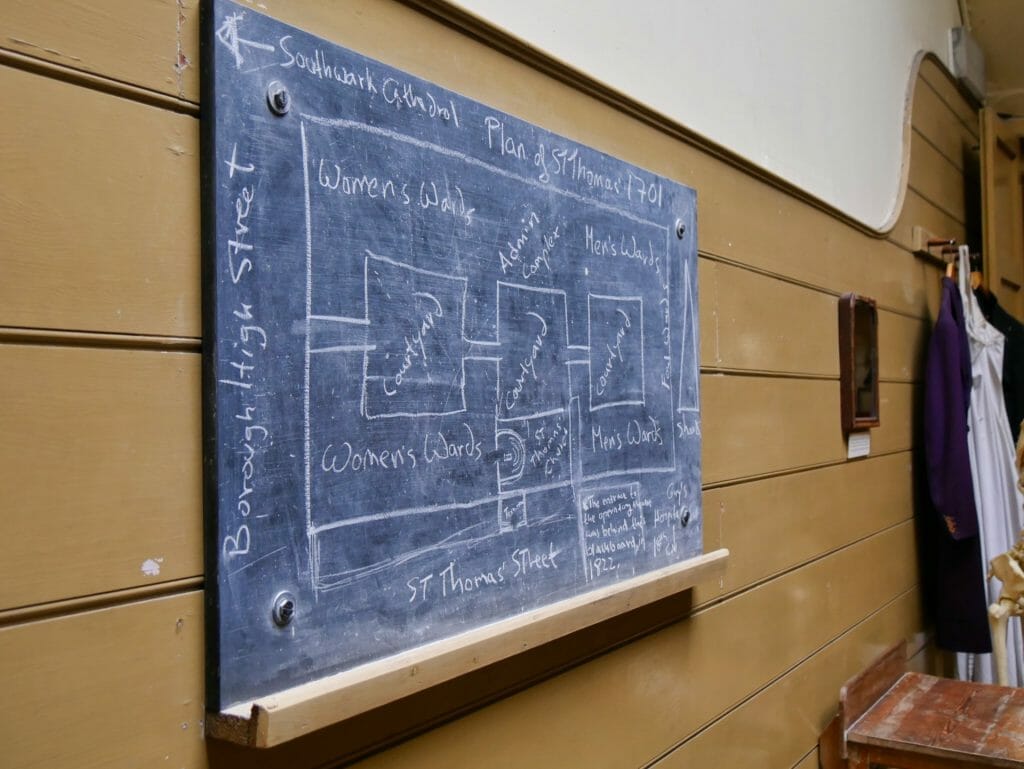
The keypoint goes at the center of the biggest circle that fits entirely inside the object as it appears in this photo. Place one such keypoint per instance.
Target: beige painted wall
(100, 468)
(803, 90)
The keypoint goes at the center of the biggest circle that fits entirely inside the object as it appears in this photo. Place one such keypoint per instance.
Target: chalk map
(454, 372)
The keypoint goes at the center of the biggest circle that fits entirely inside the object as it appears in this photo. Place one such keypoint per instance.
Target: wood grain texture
(99, 469)
(754, 735)
(942, 722)
(99, 212)
(657, 679)
(153, 44)
(119, 687)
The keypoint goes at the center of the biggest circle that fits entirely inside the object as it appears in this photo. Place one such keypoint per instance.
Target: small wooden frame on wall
(858, 362)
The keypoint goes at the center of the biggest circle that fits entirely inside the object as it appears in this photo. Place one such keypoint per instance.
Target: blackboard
(451, 361)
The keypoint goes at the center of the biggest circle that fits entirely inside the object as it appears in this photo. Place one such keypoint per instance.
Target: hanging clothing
(954, 577)
(1013, 357)
(999, 502)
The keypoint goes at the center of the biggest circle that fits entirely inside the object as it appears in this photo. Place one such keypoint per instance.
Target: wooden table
(894, 718)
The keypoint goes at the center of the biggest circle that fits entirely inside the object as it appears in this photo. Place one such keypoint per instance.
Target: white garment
(999, 502)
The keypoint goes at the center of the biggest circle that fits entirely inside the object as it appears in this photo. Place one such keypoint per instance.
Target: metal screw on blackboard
(680, 229)
(277, 98)
(284, 609)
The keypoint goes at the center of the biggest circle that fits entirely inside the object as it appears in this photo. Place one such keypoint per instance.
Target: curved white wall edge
(815, 92)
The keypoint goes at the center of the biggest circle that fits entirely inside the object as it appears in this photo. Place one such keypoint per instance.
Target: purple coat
(952, 548)
(947, 396)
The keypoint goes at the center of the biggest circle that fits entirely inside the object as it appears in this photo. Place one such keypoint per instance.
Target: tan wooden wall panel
(936, 179)
(755, 734)
(901, 346)
(940, 125)
(750, 321)
(943, 84)
(810, 761)
(676, 680)
(918, 211)
(99, 212)
(749, 222)
(99, 471)
(899, 407)
(153, 44)
(754, 426)
(753, 322)
(117, 687)
(757, 425)
(776, 524)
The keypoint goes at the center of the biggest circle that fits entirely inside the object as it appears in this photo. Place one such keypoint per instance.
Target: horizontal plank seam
(957, 164)
(93, 82)
(972, 130)
(711, 256)
(765, 579)
(70, 338)
(927, 199)
(651, 764)
(765, 374)
(798, 469)
(70, 606)
(127, 342)
(805, 756)
(713, 370)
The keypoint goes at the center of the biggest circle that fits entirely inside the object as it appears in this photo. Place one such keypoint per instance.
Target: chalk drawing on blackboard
(689, 372)
(616, 340)
(469, 160)
(420, 372)
(419, 365)
(228, 35)
(454, 379)
(612, 524)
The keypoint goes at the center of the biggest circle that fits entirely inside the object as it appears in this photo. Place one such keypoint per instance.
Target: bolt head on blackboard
(277, 98)
(680, 229)
(284, 609)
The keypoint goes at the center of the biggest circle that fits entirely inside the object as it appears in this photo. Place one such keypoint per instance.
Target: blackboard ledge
(292, 713)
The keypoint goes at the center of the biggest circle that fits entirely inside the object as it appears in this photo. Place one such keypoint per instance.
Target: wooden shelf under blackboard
(292, 713)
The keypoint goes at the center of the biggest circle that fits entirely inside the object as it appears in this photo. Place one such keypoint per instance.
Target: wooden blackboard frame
(271, 719)
(287, 715)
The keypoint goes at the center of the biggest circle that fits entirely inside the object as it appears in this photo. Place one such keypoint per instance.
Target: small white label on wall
(858, 444)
